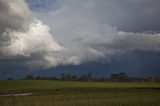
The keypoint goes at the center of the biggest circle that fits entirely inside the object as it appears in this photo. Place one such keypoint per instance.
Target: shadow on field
(123, 96)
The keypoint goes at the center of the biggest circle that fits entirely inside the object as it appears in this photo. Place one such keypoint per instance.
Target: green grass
(43, 84)
(68, 93)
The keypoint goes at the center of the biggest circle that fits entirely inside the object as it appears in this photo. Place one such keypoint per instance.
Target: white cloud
(37, 39)
(18, 41)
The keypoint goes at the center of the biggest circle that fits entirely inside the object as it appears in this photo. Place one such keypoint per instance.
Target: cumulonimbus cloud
(24, 35)
(78, 27)
(86, 28)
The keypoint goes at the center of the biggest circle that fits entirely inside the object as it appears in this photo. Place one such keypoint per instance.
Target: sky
(50, 37)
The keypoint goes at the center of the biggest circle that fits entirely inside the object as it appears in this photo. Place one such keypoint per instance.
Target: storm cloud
(22, 35)
(89, 30)
(75, 31)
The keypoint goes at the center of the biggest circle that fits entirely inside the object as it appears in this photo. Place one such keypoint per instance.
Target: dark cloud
(136, 64)
(83, 31)
(126, 15)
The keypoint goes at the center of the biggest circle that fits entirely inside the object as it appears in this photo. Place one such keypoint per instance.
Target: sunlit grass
(43, 84)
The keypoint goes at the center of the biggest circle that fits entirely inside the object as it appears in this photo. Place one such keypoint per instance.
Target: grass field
(67, 93)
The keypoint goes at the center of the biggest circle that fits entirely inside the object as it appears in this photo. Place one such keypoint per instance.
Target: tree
(89, 76)
(83, 78)
(38, 78)
(119, 77)
(9, 78)
(53, 78)
(63, 77)
(29, 77)
(74, 78)
(114, 77)
(66, 77)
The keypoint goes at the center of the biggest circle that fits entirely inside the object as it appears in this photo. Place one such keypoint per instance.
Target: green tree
(119, 77)
(29, 77)
(89, 76)
(83, 78)
(74, 78)
(66, 77)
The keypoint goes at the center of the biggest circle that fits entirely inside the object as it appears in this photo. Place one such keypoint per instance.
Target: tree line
(115, 77)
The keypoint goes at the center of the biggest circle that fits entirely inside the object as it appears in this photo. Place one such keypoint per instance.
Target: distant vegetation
(115, 77)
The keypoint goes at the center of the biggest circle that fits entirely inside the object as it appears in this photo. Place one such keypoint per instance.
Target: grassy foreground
(64, 93)
(48, 84)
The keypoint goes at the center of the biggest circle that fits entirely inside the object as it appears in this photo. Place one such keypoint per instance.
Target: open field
(48, 84)
(65, 93)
